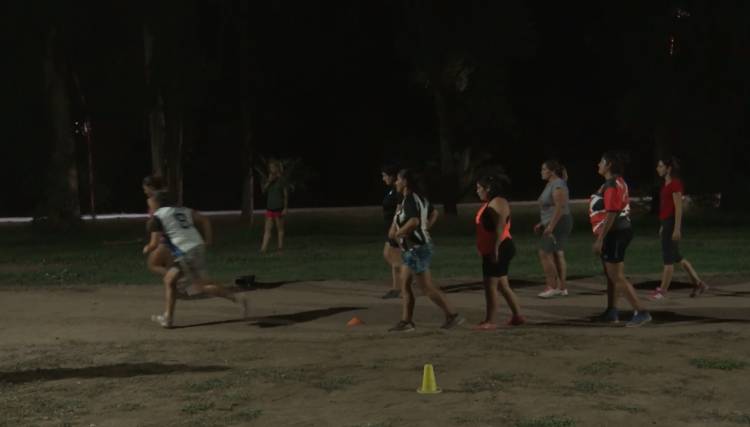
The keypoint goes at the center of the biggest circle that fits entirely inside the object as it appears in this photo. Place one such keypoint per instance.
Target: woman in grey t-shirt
(555, 226)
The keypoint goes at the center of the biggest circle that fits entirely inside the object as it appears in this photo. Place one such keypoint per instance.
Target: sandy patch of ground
(94, 358)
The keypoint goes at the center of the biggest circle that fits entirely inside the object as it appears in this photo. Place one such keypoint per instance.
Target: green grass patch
(735, 417)
(335, 383)
(197, 408)
(625, 408)
(376, 424)
(721, 364)
(208, 385)
(603, 367)
(245, 415)
(550, 421)
(283, 375)
(490, 382)
(342, 245)
(596, 387)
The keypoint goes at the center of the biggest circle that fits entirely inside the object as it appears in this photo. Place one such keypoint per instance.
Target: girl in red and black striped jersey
(609, 213)
(670, 215)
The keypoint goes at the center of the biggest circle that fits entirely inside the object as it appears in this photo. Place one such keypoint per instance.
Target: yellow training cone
(429, 385)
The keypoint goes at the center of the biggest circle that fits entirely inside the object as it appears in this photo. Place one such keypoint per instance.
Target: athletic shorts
(192, 267)
(614, 245)
(670, 250)
(500, 268)
(418, 258)
(274, 213)
(559, 238)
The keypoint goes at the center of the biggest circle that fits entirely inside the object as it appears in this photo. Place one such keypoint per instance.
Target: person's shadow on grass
(119, 370)
(277, 320)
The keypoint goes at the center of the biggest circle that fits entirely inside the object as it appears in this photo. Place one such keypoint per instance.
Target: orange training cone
(356, 321)
(429, 385)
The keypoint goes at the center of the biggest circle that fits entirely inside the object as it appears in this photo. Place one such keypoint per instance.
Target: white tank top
(179, 228)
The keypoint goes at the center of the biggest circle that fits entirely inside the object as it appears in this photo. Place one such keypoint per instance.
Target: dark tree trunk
(61, 205)
(174, 150)
(157, 133)
(735, 193)
(448, 178)
(248, 184)
(156, 121)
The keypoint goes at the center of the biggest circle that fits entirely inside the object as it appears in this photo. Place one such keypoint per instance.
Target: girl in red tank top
(670, 215)
(495, 246)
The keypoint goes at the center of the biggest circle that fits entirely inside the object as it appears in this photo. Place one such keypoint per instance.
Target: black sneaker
(393, 293)
(452, 321)
(403, 326)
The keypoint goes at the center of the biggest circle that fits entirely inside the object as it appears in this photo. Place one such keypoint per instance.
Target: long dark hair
(673, 163)
(556, 167)
(390, 170)
(155, 182)
(617, 161)
(414, 180)
(496, 184)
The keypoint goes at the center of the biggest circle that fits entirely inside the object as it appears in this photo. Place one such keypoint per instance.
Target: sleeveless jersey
(414, 206)
(177, 225)
(486, 231)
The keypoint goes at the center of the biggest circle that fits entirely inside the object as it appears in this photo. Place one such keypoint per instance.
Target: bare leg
(666, 277)
(690, 271)
(550, 272)
(562, 270)
(407, 295)
(216, 290)
(170, 281)
(390, 258)
(159, 260)
(280, 231)
(617, 272)
(611, 289)
(425, 282)
(268, 228)
(509, 295)
(490, 298)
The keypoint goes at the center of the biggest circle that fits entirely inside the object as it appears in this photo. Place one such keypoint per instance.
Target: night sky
(336, 84)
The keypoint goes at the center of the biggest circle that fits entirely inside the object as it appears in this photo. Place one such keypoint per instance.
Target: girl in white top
(177, 225)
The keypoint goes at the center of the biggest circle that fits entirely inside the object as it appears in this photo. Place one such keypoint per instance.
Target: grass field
(345, 245)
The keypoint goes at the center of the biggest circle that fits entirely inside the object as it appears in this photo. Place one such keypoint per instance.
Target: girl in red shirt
(670, 215)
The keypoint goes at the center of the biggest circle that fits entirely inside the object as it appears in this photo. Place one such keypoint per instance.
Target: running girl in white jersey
(177, 225)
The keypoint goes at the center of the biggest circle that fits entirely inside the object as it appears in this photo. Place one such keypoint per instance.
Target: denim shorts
(418, 258)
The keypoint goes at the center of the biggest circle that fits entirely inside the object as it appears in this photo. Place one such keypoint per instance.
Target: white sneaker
(550, 293)
(162, 320)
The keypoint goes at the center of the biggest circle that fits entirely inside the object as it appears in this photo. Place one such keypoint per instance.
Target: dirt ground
(91, 357)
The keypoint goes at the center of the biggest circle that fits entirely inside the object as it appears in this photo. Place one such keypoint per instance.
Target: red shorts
(274, 214)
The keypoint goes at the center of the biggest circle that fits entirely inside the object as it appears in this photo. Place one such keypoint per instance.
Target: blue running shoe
(639, 319)
(610, 315)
